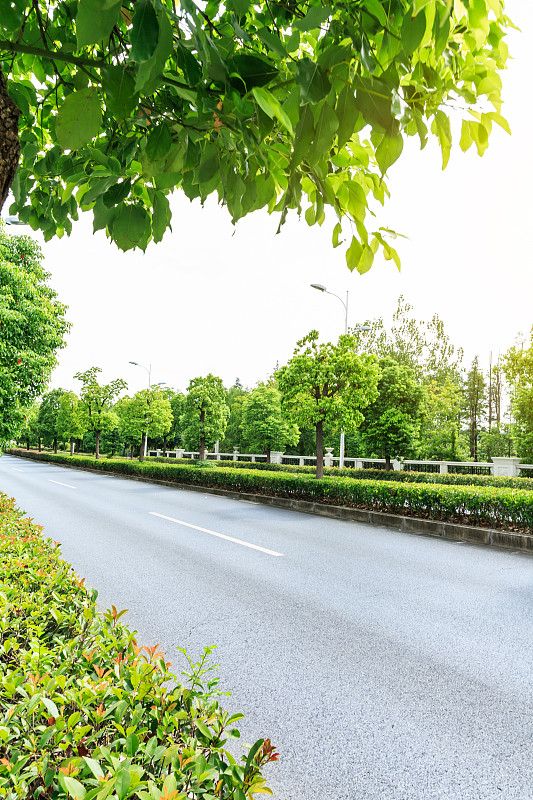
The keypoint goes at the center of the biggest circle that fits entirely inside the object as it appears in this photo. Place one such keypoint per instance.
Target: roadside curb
(489, 537)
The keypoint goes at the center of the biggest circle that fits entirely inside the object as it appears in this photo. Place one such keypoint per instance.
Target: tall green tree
(475, 405)
(233, 435)
(264, 425)
(71, 422)
(147, 413)
(205, 412)
(32, 329)
(392, 421)
(48, 416)
(29, 429)
(518, 368)
(96, 401)
(327, 384)
(276, 105)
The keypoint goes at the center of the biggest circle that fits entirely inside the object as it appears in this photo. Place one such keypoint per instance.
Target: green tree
(29, 429)
(147, 413)
(392, 421)
(32, 327)
(96, 403)
(233, 437)
(327, 384)
(264, 425)
(474, 405)
(47, 417)
(441, 438)
(205, 412)
(70, 422)
(518, 368)
(273, 105)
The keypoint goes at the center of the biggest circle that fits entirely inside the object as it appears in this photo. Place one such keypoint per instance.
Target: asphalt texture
(383, 665)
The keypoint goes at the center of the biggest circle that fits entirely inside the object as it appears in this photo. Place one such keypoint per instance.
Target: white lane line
(16, 469)
(214, 533)
(62, 484)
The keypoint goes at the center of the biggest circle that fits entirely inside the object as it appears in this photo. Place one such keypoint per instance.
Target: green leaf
(367, 56)
(337, 230)
(122, 783)
(326, 128)
(251, 71)
(353, 254)
(312, 80)
(102, 215)
(161, 216)
(78, 120)
(50, 707)
(209, 163)
(95, 20)
(117, 194)
(240, 7)
(272, 41)
(144, 34)
(271, 106)
(188, 64)
(303, 136)
(347, 114)
(412, 31)
(389, 150)
(119, 87)
(159, 142)
(73, 787)
(314, 18)
(130, 226)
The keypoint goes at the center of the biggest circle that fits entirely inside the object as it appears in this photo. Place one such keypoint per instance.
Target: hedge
(84, 711)
(472, 505)
(447, 479)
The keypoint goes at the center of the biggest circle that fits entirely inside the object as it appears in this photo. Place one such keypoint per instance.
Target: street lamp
(358, 328)
(14, 221)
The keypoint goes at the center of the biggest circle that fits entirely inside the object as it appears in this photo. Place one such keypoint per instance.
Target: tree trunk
(55, 445)
(9, 140)
(27, 444)
(72, 445)
(319, 451)
(164, 445)
(40, 445)
(131, 451)
(268, 455)
(141, 452)
(202, 448)
(387, 464)
(97, 444)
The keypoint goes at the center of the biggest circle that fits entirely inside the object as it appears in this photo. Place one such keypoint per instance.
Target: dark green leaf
(159, 142)
(95, 21)
(117, 193)
(252, 71)
(102, 215)
(314, 18)
(312, 80)
(240, 7)
(347, 114)
(412, 32)
(209, 164)
(325, 130)
(303, 136)
(188, 64)
(144, 34)
(272, 41)
(374, 101)
(161, 216)
(119, 87)
(129, 226)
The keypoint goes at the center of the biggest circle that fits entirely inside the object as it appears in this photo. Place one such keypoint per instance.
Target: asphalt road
(384, 666)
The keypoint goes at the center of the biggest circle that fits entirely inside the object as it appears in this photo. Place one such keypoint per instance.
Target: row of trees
(409, 398)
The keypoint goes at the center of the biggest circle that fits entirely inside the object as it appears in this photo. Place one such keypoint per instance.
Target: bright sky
(233, 301)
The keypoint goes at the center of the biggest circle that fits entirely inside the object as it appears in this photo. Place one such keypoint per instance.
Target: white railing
(498, 466)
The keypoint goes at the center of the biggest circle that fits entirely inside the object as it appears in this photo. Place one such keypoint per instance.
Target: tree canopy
(147, 413)
(264, 425)
(327, 384)
(272, 104)
(205, 412)
(32, 327)
(96, 402)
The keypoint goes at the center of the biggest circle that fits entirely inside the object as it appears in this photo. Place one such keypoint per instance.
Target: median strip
(219, 535)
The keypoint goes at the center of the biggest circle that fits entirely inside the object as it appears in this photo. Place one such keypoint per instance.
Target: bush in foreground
(87, 714)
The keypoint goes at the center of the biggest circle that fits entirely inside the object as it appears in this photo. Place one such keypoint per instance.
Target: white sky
(233, 301)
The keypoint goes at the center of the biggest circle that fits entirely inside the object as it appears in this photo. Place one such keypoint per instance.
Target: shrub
(85, 712)
(471, 505)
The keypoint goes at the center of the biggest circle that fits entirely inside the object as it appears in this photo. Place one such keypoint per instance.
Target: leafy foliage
(518, 368)
(96, 402)
(205, 412)
(70, 422)
(264, 426)
(32, 327)
(269, 105)
(147, 413)
(86, 712)
(327, 384)
(392, 421)
(48, 416)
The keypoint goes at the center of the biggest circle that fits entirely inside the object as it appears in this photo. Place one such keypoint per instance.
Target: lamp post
(321, 288)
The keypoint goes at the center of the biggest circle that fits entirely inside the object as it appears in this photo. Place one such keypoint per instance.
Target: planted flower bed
(85, 712)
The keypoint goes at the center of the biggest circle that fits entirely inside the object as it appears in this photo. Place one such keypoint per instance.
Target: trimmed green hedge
(471, 505)
(84, 712)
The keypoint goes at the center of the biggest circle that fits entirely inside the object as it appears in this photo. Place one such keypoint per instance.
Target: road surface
(383, 665)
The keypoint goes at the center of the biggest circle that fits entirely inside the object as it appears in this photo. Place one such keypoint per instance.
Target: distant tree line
(400, 392)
